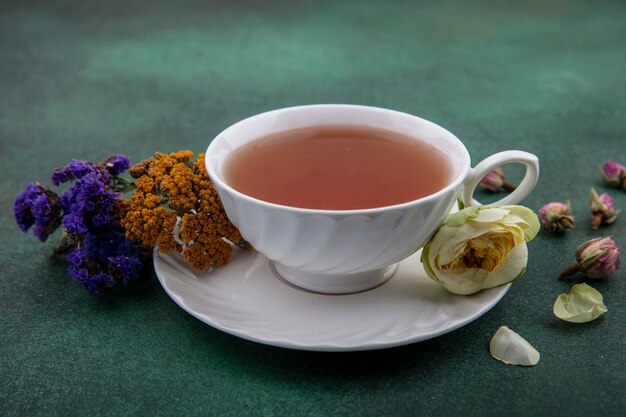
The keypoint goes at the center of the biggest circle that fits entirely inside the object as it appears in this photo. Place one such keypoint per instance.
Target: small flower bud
(494, 181)
(557, 216)
(614, 174)
(596, 258)
(602, 209)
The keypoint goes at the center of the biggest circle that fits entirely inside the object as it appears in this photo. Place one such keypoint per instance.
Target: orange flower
(176, 207)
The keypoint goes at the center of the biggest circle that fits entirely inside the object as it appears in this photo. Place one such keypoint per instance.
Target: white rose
(480, 247)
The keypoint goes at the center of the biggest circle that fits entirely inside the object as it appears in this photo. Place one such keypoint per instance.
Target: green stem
(121, 185)
(459, 202)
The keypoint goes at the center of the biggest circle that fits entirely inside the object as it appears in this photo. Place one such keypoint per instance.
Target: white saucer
(244, 298)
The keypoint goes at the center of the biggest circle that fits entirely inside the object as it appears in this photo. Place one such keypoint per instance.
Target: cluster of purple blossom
(100, 256)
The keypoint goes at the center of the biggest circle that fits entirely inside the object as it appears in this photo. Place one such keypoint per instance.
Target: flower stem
(63, 247)
(508, 186)
(121, 185)
(570, 270)
(595, 221)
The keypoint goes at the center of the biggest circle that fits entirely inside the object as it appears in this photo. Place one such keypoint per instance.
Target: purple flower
(107, 244)
(105, 260)
(100, 256)
(127, 268)
(22, 208)
(116, 164)
(596, 258)
(76, 170)
(73, 224)
(60, 176)
(77, 257)
(614, 174)
(557, 216)
(80, 168)
(89, 205)
(94, 283)
(37, 207)
(115, 254)
(602, 209)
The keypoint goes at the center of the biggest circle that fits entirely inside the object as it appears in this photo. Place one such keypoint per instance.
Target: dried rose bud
(596, 258)
(557, 216)
(494, 181)
(614, 174)
(602, 209)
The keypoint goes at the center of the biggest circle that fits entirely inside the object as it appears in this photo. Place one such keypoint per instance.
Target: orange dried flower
(176, 207)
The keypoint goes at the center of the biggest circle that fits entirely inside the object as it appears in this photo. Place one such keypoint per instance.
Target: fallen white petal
(512, 349)
(582, 304)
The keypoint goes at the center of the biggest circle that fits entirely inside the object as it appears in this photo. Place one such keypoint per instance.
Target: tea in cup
(336, 195)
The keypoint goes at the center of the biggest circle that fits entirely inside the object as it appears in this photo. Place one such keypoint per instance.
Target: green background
(86, 79)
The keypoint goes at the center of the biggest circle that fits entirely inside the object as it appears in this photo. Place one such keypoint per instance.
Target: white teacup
(346, 251)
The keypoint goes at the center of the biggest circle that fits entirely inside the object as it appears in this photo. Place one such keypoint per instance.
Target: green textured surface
(87, 79)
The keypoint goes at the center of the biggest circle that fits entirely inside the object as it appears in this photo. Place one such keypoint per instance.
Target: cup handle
(501, 158)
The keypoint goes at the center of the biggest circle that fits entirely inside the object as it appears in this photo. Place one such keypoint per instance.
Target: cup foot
(333, 284)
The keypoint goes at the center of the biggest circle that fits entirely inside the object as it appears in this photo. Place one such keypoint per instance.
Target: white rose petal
(512, 349)
(582, 304)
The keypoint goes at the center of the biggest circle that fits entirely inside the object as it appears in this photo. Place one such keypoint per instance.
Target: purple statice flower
(89, 205)
(116, 164)
(94, 283)
(126, 267)
(122, 255)
(100, 256)
(77, 257)
(60, 176)
(105, 260)
(22, 208)
(37, 207)
(109, 243)
(76, 170)
(74, 225)
(87, 272)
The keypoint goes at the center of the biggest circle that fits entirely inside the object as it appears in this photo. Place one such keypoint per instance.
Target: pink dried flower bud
(602, 209)
(494, 181)
(596, 258)
(557, 216)
(607, 200)
(614, 174)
